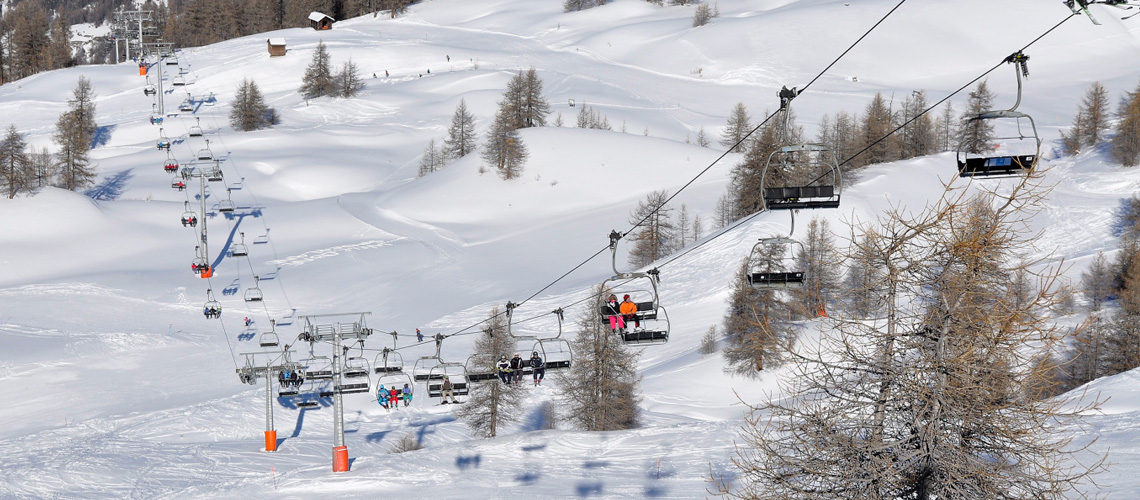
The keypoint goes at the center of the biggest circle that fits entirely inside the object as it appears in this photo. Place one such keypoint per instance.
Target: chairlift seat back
(645, 337)
(777, 279)
(800, 197)
(990, 166)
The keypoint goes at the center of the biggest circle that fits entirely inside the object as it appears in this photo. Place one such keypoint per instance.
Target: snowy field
(115, 386)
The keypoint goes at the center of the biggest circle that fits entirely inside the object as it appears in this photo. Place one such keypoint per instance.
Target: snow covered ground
(114, 385)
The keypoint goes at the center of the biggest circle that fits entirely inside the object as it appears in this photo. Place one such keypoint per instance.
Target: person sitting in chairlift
(629, 311)
(613, 310)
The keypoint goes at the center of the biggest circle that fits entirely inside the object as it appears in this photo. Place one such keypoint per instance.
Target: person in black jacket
(537, 367)
(516, 369)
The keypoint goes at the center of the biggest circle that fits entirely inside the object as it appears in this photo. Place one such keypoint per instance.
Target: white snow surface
(114, 385)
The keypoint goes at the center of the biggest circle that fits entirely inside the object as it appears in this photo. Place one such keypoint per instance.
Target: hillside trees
(933, 400)
(432, 159)
(249, 111)
(17, 173)
(819, 259)
(522, 106)
(347, 81)
(655, 234)
(1091, 122)
(757, 330)
(918, 137)
(600, 390)
(577, 5)
(75, 133)
(746, 176)
(878, 146)
(492, 404)
(1125, 145)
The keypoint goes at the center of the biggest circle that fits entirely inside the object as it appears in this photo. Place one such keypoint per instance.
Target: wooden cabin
(320, 21)
(276, 47)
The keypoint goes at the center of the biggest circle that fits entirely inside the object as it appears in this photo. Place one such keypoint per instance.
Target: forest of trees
(938, 397)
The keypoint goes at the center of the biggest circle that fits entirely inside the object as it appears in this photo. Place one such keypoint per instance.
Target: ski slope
(116, 387)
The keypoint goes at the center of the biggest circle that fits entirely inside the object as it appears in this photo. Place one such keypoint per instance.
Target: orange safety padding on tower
(208, 273)
(270, 440)
(142, 70)
(340, 459)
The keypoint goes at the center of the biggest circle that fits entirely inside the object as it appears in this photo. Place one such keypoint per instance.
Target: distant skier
(419, 336)
(537, 367)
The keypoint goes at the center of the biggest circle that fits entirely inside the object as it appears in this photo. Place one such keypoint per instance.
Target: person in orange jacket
(629, 311)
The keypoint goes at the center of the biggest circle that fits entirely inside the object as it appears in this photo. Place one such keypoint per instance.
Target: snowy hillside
(116, 386)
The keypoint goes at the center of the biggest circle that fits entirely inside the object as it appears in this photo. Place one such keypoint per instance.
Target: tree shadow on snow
(464, 462)
(376, 437)
(589, 489)
(111, 188)
(102, 135)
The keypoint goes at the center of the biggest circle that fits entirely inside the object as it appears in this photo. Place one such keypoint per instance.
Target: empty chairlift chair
(354, 377)
(555, 351)
(213, 173)
(226, 205)
(1018, 147)
(766, 270)
(254, 294)
(270, 338)
(178, 81)
(186, 106)
(196, 129)
(239, 249)
(799, 176)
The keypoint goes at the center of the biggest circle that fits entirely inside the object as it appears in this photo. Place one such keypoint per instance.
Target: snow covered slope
(115, 386)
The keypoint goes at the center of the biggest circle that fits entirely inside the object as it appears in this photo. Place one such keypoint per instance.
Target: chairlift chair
(178, 81)
(177, 184)
(186, 106)
(254, 294)
(318, 368)
(170, 166)
(815, 164)
(762, 275)
(212, 308)
(239, 249)
(196, 129)
(555, 351)
(397, 380)
(354, 376)
(163, 141)
(172, 61)
(270, 338)
(642, 289)
(480, 368)
(214, 173)
(355, 366)
(454, 371)
(388, 361)
(262, 239)
(149, 90)
(189, 217)
(1017, 156)
(226, 205)
(205, 154)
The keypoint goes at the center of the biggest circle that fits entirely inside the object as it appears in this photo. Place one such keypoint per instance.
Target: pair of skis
(1082, 7)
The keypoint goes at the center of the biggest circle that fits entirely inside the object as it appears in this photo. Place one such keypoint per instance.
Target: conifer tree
(863, 283)
(16, 170)
(1097, 282)
(504, 150)
(59, 51)
(749, 173)
(655, 232)
(757, 330)
(873, 134)
(347, 81)
(736, 129)
(318, 80)
(75, 133)
(249, 111)
(433, 159)
(945, 130)
(491, 404)
(918, 137)
(461, 140)
(976, 136)
(600, 390)
(819, 260)
(1125, 145)
(534, 108)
